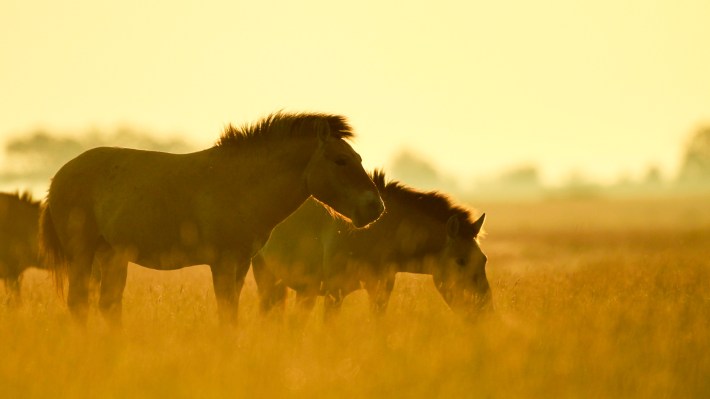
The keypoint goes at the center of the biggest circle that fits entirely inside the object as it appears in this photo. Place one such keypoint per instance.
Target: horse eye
(341, 161)
(461, 261)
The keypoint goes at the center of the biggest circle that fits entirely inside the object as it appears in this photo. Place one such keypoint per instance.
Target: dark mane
(24, 196)
(282, 124)
(433, 202)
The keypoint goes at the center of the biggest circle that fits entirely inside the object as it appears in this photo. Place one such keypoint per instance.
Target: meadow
(593, 298)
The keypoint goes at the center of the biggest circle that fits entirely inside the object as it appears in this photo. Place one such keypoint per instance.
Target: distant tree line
(695, 168)
(523, 181)
(32, 159)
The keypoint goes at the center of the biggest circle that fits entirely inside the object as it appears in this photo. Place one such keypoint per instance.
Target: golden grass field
(593, 299)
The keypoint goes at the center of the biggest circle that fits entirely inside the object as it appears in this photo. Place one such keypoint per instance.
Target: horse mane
(24, 196)
(281, 124)
(434, 203)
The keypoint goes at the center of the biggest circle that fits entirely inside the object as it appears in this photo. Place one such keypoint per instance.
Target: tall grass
(587, 305)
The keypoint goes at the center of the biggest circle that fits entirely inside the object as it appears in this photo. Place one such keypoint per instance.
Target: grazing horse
(19, 215)
(216, 207)
(420, 232)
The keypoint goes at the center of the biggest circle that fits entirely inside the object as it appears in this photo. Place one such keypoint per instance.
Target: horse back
(153, 204)
(117, 192)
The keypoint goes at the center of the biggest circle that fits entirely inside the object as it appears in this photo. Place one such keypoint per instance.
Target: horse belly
(167, 261)
(158, 257)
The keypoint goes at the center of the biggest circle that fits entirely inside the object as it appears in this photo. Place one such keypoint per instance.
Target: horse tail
(50, 249)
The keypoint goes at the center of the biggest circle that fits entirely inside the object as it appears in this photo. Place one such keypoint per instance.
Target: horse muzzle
(369, 210)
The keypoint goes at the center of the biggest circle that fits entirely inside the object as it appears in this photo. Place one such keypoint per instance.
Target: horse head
(335, 177)
(461, 279)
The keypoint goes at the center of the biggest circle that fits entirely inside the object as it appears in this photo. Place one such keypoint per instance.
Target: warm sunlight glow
(603, 89)
(360, 199)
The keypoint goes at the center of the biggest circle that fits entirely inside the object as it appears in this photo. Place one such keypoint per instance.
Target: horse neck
(425, 265)
(422, 258)
(280, 188)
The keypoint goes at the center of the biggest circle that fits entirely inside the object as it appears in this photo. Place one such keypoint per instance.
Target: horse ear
(478, 224)
(322, 130)
(452, 226)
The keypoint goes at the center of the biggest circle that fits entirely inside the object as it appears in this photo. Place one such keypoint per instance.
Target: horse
(216, 207)
(19, 215)
(420, 232)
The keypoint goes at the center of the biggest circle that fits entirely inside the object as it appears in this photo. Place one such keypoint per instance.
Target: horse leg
(12, 285)
(242, 270)
(95, 280)
(379, 293)
(272, 292)
(78, 297)
(332, 303)
(114, 269)
(336, 289)
(305, 301)
(228, 279)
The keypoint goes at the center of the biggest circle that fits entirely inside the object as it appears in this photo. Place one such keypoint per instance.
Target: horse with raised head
(216, 207)
(19, 214)
(420, 232)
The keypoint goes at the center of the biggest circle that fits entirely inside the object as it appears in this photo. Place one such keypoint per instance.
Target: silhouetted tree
(696, 161)
(415, 171)
(653, 175)
(521, 176)
(579, 186)
(517, 182)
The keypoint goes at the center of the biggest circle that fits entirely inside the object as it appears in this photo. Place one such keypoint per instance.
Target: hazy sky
(602, 87)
